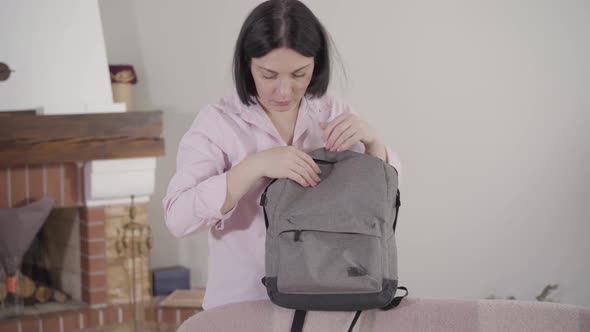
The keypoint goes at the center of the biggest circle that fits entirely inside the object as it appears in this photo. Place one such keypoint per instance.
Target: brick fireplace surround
(96, 190)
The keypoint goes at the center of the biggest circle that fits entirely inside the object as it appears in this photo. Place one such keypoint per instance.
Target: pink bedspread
(412, 315)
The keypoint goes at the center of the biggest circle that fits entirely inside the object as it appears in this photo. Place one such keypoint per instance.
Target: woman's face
(281, 78)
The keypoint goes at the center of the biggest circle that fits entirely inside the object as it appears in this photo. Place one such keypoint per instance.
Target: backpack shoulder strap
(353, 323)
(298, 320)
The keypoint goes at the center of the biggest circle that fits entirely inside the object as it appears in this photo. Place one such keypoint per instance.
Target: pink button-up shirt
(222, 135)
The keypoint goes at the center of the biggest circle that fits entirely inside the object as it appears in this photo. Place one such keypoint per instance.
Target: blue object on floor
(168, 279)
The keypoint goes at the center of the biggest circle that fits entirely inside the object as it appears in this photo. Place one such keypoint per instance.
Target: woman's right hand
(288, 162)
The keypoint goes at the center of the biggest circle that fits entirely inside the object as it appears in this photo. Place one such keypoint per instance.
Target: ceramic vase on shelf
(123, 78)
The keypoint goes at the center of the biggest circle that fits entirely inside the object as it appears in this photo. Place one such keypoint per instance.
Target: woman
(264, 131)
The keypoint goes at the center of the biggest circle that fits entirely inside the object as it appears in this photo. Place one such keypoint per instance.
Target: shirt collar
(255, 115)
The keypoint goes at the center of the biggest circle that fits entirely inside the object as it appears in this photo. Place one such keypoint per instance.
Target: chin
(283, 108)
(274, 107)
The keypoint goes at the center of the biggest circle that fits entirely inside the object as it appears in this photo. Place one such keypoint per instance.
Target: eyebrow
(274, 72)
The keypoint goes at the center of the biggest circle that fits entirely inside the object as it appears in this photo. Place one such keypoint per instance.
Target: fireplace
(90, 165)
(78, 251)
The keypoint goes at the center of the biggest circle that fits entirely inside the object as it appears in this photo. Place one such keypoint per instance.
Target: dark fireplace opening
(49, 275)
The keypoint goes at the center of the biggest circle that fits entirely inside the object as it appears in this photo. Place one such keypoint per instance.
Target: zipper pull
(297, 236)
(263, 199)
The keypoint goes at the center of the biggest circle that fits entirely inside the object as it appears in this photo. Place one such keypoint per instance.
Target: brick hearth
(111, 318)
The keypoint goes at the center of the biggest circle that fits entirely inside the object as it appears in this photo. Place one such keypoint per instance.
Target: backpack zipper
(297, 233)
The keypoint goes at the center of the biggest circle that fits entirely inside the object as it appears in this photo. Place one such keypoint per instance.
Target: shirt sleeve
(338, 107)
(198, 188)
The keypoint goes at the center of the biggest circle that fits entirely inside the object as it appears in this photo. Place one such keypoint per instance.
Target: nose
(284, 88)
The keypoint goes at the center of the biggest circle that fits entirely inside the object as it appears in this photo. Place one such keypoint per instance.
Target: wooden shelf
(36, 139)
(185, 298)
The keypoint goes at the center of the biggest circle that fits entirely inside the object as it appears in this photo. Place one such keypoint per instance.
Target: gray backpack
(332, 247)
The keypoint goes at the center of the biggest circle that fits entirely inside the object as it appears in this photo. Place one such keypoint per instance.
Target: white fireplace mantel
(114, 181)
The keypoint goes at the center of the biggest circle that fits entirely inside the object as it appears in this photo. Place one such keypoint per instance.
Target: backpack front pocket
(316, 261)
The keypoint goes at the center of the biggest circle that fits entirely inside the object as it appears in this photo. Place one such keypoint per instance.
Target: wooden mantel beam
(38, 139)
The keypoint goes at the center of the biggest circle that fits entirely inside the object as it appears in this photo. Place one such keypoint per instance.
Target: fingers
(348, 143)
(309, 172)
(344, 131)
(303, 169)
(297, 178)
(307, 158)
(333, 124)
(344, 137)
(338, 132)
(305, 174)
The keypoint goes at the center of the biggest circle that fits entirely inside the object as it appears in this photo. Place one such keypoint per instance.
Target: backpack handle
(326, 156)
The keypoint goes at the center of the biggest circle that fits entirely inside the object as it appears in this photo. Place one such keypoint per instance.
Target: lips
(283, 103)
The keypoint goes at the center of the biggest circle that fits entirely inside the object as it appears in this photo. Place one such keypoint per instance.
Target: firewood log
(26, 287)
(59, 297)
(43, 294)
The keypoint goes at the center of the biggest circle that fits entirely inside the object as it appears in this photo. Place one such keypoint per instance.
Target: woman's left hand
(345, 131)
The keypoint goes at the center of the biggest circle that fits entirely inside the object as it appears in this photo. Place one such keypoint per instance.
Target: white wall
(57, 52)
(487, 104)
